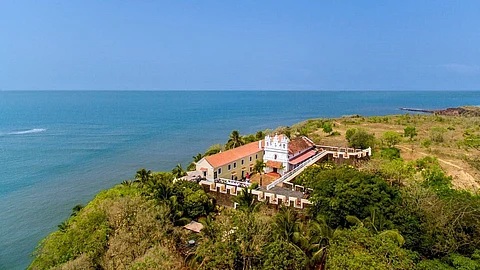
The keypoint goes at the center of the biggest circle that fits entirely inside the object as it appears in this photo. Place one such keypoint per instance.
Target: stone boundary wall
(223, 193)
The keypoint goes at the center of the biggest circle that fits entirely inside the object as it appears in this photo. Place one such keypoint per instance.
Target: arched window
(275, 157)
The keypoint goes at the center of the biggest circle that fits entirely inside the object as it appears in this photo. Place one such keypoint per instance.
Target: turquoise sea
(58, 149)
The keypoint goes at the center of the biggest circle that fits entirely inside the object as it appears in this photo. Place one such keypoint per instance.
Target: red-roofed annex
(279, 153)
(232, 164)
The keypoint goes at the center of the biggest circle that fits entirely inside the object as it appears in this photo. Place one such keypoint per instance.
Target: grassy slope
(454, 158)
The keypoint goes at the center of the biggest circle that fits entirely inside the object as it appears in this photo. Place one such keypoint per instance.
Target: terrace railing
(232, 182)
(296, 171)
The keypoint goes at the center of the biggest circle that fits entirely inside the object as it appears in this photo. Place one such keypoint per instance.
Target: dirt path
(425, 154)
(461, 178)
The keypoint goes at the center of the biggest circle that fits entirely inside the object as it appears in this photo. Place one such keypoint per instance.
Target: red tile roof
(301, 158)
(232, 155)
(299, 144)
(273, 164)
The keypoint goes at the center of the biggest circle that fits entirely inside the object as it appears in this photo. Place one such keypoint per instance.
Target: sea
(59, 148)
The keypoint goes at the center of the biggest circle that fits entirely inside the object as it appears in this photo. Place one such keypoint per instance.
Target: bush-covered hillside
(395, 211)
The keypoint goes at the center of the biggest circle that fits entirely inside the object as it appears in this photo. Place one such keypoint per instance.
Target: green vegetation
(392, 138)
(360, 138)
(410, 132)
(398, 210)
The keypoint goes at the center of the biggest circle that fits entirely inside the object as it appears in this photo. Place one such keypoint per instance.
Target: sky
(239, 45)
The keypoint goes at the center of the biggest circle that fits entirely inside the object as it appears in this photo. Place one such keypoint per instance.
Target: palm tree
(246, 201)
(178, 171)
(143, 175)
(208, 230)
(287, 225)
(235, 140)
(258, 168)
(127, 183)
(320, 235)
(196, 159)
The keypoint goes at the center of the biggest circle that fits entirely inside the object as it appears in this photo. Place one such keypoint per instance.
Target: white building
(282, 155)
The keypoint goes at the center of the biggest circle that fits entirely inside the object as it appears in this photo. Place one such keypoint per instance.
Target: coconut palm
(127, 183)
(319, 235)
(246, 201)
(178, 171)
(258, 168)
(143, 175)
(235, 140)
(197, 158)
(287, 225)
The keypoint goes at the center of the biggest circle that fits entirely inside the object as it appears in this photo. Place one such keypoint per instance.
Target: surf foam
(35, 130)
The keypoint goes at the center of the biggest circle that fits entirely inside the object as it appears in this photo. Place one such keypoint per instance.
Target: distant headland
(457, 111)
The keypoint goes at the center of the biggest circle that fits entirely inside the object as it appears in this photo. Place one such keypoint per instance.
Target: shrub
(390, 153)
(437, 133)
(391, 138)
(426, 143)
(410, 132)
(360, 138)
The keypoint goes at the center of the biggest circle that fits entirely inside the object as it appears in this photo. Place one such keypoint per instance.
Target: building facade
(282, 154)
(276, 154)
(232, 164)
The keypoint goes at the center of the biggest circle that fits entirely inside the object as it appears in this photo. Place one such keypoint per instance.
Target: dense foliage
(384, 214)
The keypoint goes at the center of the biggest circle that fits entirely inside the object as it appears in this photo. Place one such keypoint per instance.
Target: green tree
(392, 138)
(178, 171)
(345, 191)
(212, 150)
(237, 243)
(349, 133)
(359, 248)
(143, 176)
(245, 201)
(360, 138)
(249, 139)
(410, 132)
(327, 127)
(281, 254)
(234, 140)
(286, 224)
(196, 159)
(260, 135)
(258, 168)
(320, 235)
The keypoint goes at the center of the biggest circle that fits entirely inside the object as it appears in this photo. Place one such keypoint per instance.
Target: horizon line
(234, 90)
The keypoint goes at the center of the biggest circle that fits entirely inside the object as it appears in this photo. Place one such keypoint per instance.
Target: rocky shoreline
(459, 111)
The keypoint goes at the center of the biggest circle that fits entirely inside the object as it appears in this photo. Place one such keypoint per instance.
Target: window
(229, 167)
(250, 159)
(234, 165)
(242, 162)
(275, 156)
(215, 175)
(219, 170)
(256, 156)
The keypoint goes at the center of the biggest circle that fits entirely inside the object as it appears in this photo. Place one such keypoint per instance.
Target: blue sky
(240, 45)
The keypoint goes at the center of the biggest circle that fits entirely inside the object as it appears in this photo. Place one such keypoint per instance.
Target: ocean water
(58, 149)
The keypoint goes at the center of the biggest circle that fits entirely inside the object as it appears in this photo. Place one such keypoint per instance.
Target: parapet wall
(223, 193)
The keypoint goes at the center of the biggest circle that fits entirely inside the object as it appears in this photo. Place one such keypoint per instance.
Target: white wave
(35, 130)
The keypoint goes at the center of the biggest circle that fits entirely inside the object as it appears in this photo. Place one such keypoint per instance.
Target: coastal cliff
(413, 205)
